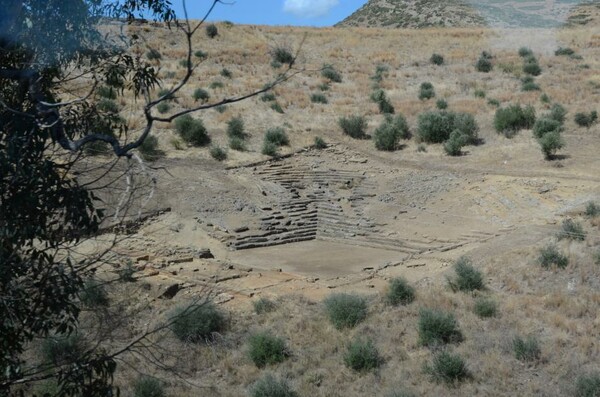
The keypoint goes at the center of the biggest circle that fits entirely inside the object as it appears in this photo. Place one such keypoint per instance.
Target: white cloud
(309, 8)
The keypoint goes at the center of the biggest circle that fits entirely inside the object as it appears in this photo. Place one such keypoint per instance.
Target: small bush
(448, 368)
(526, 349)
(184, 63)
(550, 143)
(149, 148)
(345, 310)
(525, 52)
(107, 92)
(484, 65)
(238, 144)
(437, 327)
(558, 113)
(320, 143)
(479, 93)
(485, 308)
(586, 119)
(571, 230)
(218, 153)
(532, 68)
(191, 130)
(513, 118)
(61, 350)
(564, 51)
(267, 97)
(435, 126)
(268, 386)
(153, 54)
(235, 128)
(588, 385)
(211, 31)
(266, 349)
(390, 131)
(282, 55)
(467, 277)
(544, 98)
(108, 105)
(324, 87)
(263, 305)
(400, 292)
(592, 210)
(318, 98)
(270, 149)
(426, 91)
(467, 126)
(277, 107)
(165, 92)
(362, 355)
(441, 104)
(226, 73)
(436, 59)
(163, 107)
(544, 125)
(493, 102)
(197, 323)
(550, 256)
(93, 294)
(216, 85)
(329, 72)
(530, 86)
(200, 94)
(354, 126)
(147, 386)
(277, 136)
(200, 54)
(453, 146)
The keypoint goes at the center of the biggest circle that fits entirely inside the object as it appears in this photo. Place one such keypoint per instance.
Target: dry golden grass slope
(499, 204)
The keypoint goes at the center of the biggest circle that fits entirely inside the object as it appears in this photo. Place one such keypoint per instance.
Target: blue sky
(274, 12)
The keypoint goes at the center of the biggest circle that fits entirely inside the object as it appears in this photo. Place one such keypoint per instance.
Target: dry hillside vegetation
(475, 237)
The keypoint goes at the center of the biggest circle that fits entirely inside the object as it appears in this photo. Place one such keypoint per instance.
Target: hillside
(458, 13)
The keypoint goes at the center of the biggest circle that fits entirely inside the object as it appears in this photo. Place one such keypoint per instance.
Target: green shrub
(435, 126)
(467, 277)
(238, 144)
(437, 327)
(329, 72)
(467, 126)
(526, 349)
(226, 73)
(147, 386)
(268, 386)
(592, 210)
(571, 230)
(485, 308)
(220, 108)
(218, 153)
(441, 104)
(153, 54)
(525, 52)
(263, 305)
(61, 350)
(596, 257)
(436, 59)
(544, 125)
(191, 130)
(345, 310)
(453, 146)
(277, 107)
(267, 97)
(493, 102)
(107, 92)
(544, 98)
(426, 91)
(200, 54)
(163, 107)
(236, 128)
(362, 355)
(318, 98)
(421, 148)
(276, 65)
(530, 86)
(448, 368)
(586, 119)
(184, 63)
(390, 131)
(354, 126)
(216, 85)
(197, 323)
(270, 149)
(211, 31)
(126, 273)
(320, 143)
(200, 94)
(550, 256)
(564, 51)
(532, 67)
(93, 294)
(108, 105)
(265, 349)
(479, 93)
(277, 136)
(324, 87)
(588, 385)
(558, 113)
(165, 92)
(550, 143)
(484, 65)
(379, 97)
(149, 148)
(513, 118)
(400, 292)
(282, 55)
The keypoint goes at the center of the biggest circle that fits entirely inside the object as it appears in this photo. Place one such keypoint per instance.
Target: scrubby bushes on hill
(391, 130)
(436, 126)
(266, 349)
(362, 355)
(437, 327)
(197, 323)
(513, 118)
(426, 91)
(354, 126)
(586, 119)
(191, 130)
(345, 310)
(467, 277)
